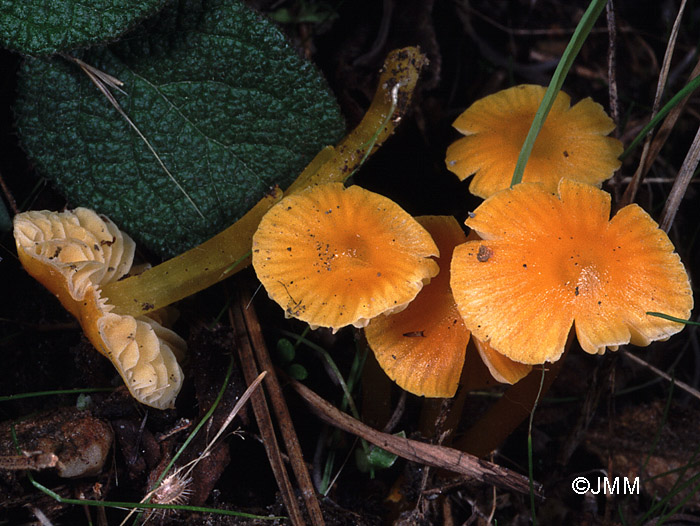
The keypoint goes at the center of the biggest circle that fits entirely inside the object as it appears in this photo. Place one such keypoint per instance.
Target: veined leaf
(227, 105)
(38, 27)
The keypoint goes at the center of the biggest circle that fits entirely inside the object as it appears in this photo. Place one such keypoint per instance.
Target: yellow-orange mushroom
(547, 262)
(422, 348)
(572, 143)
(334, 256)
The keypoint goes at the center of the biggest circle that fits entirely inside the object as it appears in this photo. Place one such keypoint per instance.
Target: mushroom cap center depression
(350, 249)
(573, 270)
(351, 256)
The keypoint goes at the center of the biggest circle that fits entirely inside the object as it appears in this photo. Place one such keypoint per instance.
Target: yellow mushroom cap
(74, 254)
(548, 261)
(334, 256)
(572, 142)
(422, 348)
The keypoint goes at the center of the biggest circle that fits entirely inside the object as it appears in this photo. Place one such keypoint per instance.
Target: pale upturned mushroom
(422, 348)
(334, 256)
(74, 254)
(547, 262)
(572, 142)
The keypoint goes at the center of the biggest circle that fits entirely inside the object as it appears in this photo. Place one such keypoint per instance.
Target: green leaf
(377, 458)
(228, 106)
(38, 27)
(285, 350)
(298, 372)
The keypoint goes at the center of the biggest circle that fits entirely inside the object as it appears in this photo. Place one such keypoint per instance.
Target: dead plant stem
(682, 385)
(8, 195)
(680, 185)
(279, 407)
(645, 160)
(420, 452)
(612, 62)
(668, 124)
(262, 416)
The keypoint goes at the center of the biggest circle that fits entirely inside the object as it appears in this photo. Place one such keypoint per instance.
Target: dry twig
(687, 388)
(262, 416)
(427, 454)
(668, 124)
(680, 185)
(279, 407)
(8, 195)
(612, 62)
(645, 160)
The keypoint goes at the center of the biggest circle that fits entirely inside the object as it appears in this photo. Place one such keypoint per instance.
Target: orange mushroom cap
(549, 261)
(334, 256)
(572, 142)
(502, 368)
(74, 254)
(422, 348)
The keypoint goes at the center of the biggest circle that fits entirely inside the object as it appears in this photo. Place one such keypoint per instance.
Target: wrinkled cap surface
(334, 256)
(74, 254)
(572, 142)
(548, 261)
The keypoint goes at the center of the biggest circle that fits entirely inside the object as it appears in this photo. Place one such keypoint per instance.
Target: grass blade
(567, 59)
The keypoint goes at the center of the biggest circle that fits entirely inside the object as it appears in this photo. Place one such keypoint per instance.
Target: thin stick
(612, 62)
(189, 467)
(687, 388)
(279, 407)
(232, 414)
(631, 191)
(680, 186)
(420, 452)
(667, 125)
(668, 55)
(262, 416)
(530, 465)
(612, 87)
(8, 195)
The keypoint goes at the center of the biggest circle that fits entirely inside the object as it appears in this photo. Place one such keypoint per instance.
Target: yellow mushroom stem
(229, 251)
(198, 268)
(397, 81)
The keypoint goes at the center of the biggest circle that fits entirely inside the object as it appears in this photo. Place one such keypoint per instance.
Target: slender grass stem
(567, 59)
(530, 466)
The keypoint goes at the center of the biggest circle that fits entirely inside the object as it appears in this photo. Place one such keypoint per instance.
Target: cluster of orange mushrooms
(542, 257)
